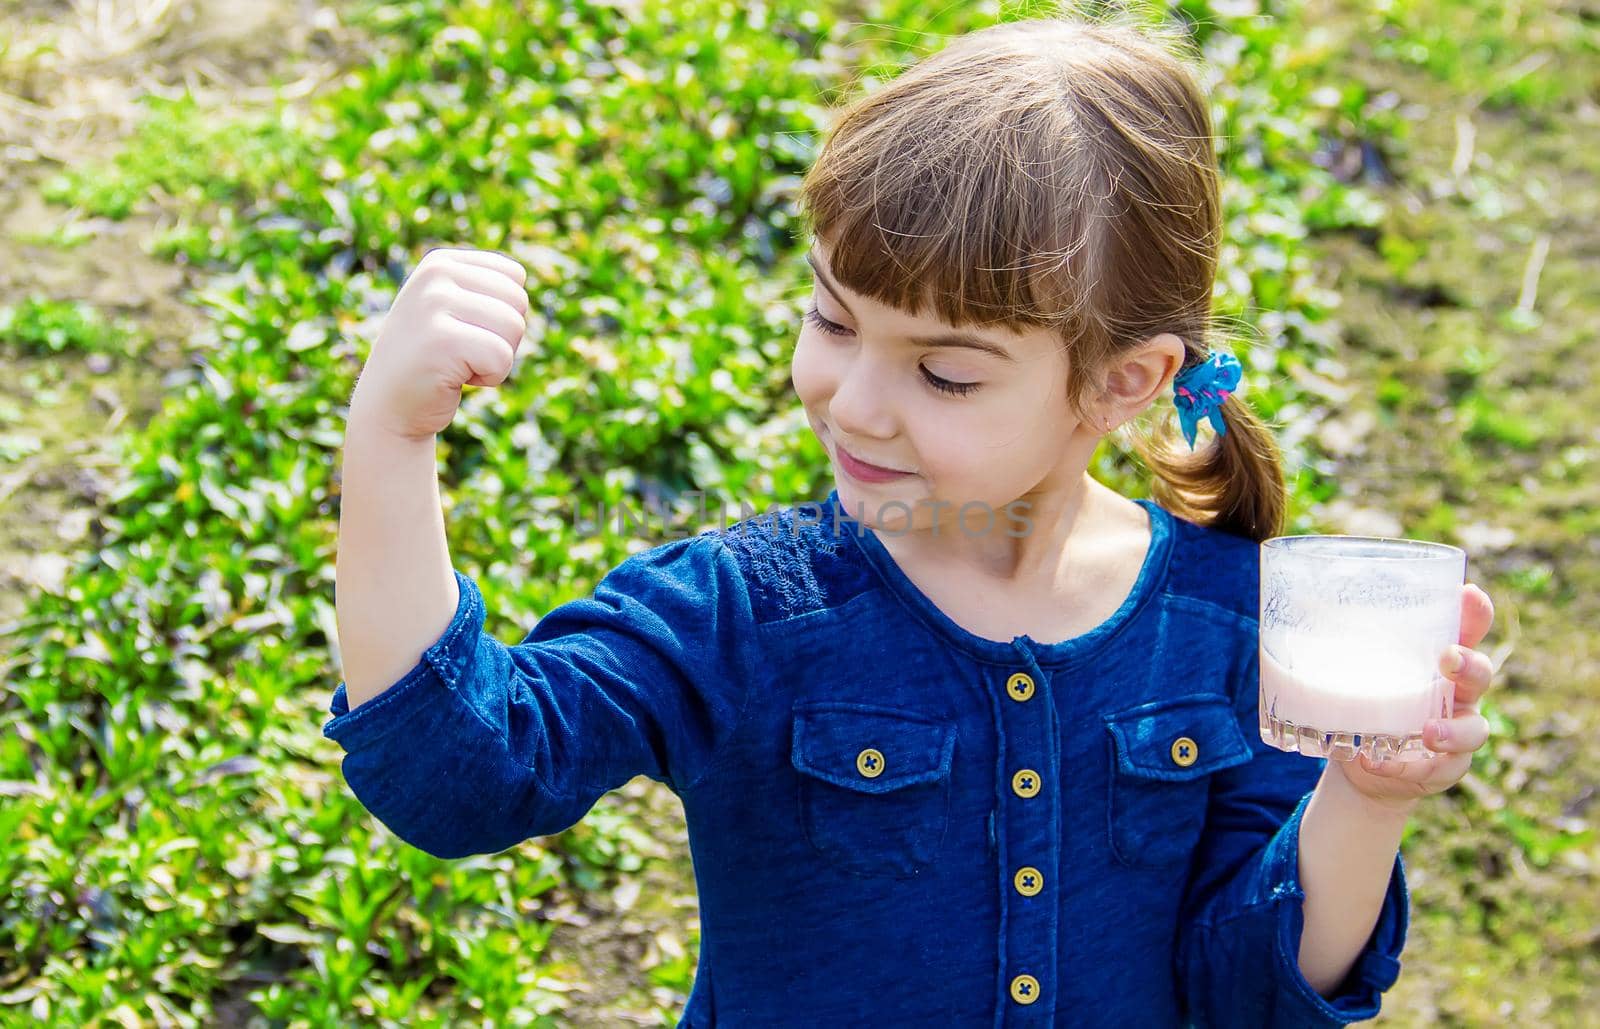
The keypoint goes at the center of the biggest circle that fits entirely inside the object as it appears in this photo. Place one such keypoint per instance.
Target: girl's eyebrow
(948, 339)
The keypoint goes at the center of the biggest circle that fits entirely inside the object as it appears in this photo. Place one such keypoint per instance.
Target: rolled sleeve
(481, 745)
(423, 691)
(1245, 908)
(1376, 968)
(1256, 924)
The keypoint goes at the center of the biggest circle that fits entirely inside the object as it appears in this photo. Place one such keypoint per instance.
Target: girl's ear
(1138, 378)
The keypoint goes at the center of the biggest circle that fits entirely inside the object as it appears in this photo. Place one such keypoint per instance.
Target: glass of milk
(1352, 629)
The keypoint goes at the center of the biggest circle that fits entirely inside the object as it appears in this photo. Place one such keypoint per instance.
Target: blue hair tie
(1200, 391)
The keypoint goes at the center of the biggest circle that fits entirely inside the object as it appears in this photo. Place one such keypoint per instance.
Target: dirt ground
(70, 75)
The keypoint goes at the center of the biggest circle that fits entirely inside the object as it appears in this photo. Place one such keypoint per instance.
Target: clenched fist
(457, 321)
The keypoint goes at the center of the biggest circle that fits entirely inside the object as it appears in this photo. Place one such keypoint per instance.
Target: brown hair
(1056, 173)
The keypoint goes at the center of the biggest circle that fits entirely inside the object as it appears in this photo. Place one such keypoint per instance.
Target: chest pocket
(874, 785)
(1162, 757)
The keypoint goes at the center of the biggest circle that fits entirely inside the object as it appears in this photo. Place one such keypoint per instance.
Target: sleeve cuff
(1378, 966)
(442, 664)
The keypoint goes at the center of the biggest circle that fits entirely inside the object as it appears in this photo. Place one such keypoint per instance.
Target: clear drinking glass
(1352, 629)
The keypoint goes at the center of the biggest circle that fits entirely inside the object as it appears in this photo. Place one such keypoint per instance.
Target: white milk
(1345, 685)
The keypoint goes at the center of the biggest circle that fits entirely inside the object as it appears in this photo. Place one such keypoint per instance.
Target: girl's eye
(832, 328)
(959, 389)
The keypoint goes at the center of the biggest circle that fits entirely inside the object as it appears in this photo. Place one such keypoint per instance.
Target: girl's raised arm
(456, 322)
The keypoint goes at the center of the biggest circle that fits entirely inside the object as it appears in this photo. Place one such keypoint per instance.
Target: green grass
(185, 153)
(40, 326)
(1529, 55)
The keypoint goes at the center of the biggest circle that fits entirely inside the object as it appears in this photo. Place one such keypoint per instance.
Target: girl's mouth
(861, 471)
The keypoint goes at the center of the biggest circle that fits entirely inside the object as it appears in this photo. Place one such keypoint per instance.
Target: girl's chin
(901, 490)
(884, 506)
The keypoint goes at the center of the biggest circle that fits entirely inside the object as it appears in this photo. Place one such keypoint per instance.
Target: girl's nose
(859, 406)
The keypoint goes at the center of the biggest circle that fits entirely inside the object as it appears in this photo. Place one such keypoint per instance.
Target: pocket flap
(831, 739)
(1148, 738)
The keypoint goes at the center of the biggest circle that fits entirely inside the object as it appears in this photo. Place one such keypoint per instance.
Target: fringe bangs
(936, 212)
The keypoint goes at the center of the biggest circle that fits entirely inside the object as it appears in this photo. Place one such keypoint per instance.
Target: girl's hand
(456, 321)
(1400, 784)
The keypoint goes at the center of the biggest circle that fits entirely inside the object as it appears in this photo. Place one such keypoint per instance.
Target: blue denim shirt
(893, 820)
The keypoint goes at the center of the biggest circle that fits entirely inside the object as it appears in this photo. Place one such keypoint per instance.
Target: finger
(1460, 735)
(1377, 767)
(490, 283)
(489, 313)
(1418, 771)
(487, 356)
(1389, 769)
(1477, 614)
(1474, 677)
(506, 266)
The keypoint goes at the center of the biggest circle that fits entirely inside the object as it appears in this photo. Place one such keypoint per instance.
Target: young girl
(974, 741)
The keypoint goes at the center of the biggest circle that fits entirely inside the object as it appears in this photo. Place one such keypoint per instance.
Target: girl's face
(966, 415)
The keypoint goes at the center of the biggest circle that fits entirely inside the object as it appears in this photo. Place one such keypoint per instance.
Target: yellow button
(1024, 989)
(1025, 783)
(1020, 686)
(1185, 751)
(1028, 881)
(870, 763)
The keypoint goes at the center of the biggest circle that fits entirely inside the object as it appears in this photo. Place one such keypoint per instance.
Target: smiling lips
(864, 472)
